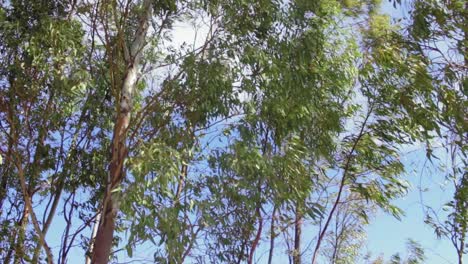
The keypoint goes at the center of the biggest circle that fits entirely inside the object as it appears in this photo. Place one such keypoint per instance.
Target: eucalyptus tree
(302, 113)
(42, 87)
(195, 148)
(437, 32)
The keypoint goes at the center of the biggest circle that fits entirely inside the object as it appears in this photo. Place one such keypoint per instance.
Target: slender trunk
(46, 225)
(93, 237)
(336, 240)
(241, 253)
(341, 188)
(180, 186)
(19, 248)
(30, 210)
(297, 235)
(259, 205)
(190, 246)
(104, 237)
(272, 236)
(257, 237)
(68, 219)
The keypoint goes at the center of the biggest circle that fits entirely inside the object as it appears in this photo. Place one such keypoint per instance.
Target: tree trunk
(93, 237)
(104, 237)
(19, 248)
(258, 235)
(272, 236)
(297, 235)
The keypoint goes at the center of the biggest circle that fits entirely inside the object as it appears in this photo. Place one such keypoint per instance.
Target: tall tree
(132, 56)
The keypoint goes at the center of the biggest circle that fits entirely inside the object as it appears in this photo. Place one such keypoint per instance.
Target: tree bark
(272, 236)
(93, 237)
(297, 235)
(258, 235)
(104, 237)
(19, 248)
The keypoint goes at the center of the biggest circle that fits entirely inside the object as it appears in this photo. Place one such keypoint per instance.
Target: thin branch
(342, 184)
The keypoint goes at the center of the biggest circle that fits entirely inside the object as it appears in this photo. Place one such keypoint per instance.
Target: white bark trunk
(103, 242)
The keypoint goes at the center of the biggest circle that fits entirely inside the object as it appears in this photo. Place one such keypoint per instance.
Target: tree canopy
(280, 128)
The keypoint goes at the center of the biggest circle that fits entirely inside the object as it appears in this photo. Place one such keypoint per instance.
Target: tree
(40, 51)
(433, 22)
